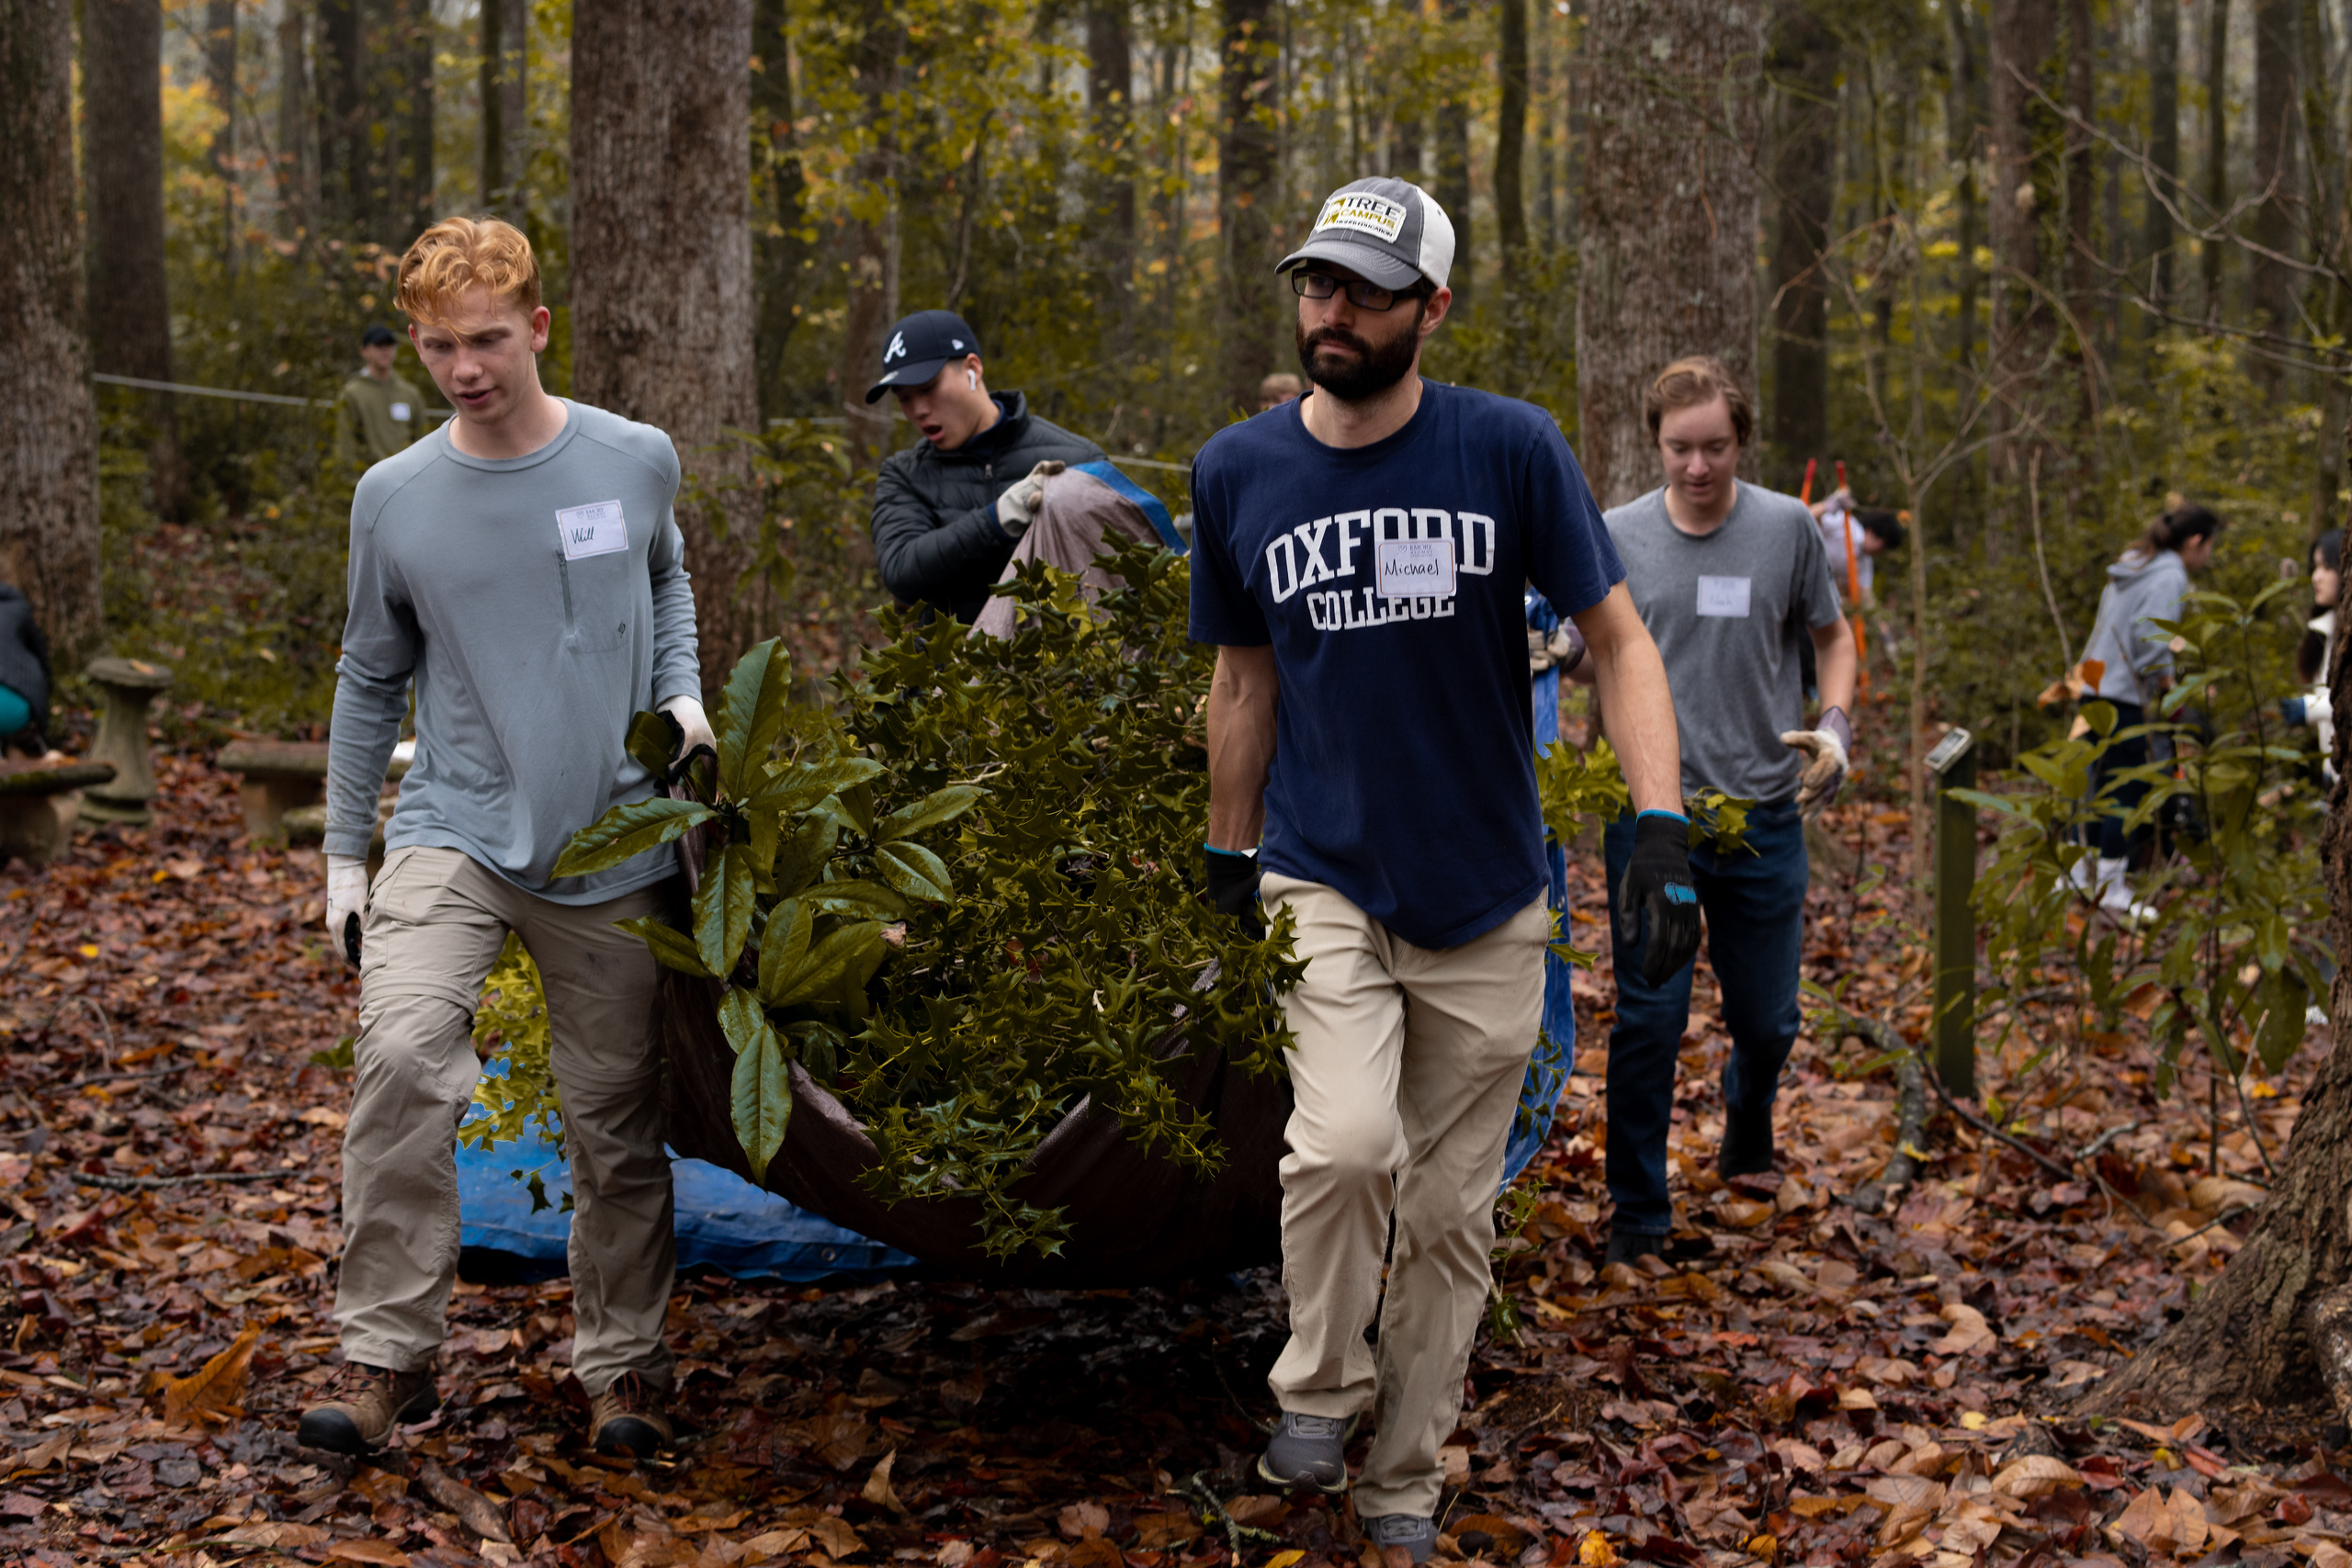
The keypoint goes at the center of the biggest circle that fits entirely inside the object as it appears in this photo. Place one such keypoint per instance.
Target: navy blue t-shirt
(1404, 774)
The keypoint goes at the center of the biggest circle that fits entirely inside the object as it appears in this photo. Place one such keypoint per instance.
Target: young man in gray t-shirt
(1731, 579)
(521, 571)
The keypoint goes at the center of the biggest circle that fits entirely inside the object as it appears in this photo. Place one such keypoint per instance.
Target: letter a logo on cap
(897, 349)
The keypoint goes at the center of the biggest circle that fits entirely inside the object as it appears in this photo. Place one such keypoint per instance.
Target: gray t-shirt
(1729, 612)
(537, 603)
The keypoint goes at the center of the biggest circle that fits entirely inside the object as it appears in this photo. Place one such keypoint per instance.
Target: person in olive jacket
(948, 511)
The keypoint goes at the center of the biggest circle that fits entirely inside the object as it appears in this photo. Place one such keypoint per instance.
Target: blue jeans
(1755, 908)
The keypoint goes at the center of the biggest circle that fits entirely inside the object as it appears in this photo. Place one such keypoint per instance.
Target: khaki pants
(435, 921)
(1406, 1074)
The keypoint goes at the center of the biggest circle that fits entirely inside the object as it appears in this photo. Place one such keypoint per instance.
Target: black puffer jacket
(24, 659)
(932, 536)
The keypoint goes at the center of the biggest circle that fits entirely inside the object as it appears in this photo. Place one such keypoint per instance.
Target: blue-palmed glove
(1657, 895)
(1233, 887)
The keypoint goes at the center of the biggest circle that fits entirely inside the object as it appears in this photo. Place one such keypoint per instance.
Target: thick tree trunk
(502, 65)
(2024, 46)
(2270, 285)
(1245, 198)
(1451, 182)
(1548, 131)
(1804, 177)
(220, 76)
(49, 530)
(1510, 133)
(2246, 1339)
(298, 167)
(662, 320)
(1110, 227)
(2078, 474)
(871, 234)
(1669, 217)
(2217, 150)
(2164, 145)
(130, 317)
(407, 113)
(780, 247)
(346, 161)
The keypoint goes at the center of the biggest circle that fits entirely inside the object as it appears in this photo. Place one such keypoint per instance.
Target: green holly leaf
(759, 1097)
(750, 717)
(915, 872)
(627, 832)
(653, 740)
(819, 1047)
(723, 905)
(672, 948)
(939, 806)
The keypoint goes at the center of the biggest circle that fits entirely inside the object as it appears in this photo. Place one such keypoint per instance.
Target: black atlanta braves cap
(919, 346)
(1388, 232)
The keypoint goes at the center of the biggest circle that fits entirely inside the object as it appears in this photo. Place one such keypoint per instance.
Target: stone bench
(39, 802)
(275, 778)
(308, 824)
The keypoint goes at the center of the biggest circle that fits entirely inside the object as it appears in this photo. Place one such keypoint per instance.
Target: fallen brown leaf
(382, 1552)
(877, 1485)
(475, 1512)
(216, 1387)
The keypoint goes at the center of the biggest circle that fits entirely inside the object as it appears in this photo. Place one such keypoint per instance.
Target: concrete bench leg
(29, 829)
(268, 800)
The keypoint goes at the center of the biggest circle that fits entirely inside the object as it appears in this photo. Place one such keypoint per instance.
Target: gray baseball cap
(1388, 232)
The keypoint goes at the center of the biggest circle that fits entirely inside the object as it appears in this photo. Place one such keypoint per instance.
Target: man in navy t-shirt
(1360, 557)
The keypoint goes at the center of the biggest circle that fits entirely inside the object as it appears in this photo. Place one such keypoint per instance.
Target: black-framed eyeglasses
(1362, 295)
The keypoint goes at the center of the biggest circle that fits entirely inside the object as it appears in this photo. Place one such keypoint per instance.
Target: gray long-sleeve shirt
(536, 604)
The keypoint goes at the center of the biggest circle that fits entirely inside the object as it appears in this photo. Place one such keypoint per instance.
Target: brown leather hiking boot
(628, 1418)
(363, 1405)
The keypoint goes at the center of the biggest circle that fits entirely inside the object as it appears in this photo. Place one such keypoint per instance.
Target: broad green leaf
(672, 948)
(627, 832)
(870, 900)
(801, 857)
(653, 740)
(740, 1018)
(750, 717)
(803, 784)
(939, 806)
(784, 945)
(915, 872)
(723, 907)
(822, 972)
(759, 1098)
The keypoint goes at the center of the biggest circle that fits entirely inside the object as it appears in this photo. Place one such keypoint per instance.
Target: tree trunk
(130, 317)
(297, 187)
(2217, 150)
(2270, 285)
(49, 530)
(2024, 39)
(1245, 197)
(2078, 475)
(1510, 135)
(871, 234)
(781, 250)
(407, 115)
(1669, 216)
(1111, 228)
(220, 76)
(1452, 186)
(493, 26)
(1548, 134)
(346, 162)
(2244, 1340)
(1964, 138)
(2164, 145)
(662, 321)
(1804, 174)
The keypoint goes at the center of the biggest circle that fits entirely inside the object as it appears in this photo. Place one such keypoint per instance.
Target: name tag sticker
(1723, 596)
(399, 413)
(1411, 568)
(598, 530)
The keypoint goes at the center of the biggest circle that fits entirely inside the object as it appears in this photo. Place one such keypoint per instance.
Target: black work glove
(1658, 884)
(1233, 887)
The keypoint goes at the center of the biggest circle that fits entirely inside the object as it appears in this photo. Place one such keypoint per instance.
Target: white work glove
(346, 902)
(694, 722)
(1826, 751)
(1562, 649)
(1016, 507)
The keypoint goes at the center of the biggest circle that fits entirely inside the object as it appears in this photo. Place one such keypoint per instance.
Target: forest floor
(1806, 1383)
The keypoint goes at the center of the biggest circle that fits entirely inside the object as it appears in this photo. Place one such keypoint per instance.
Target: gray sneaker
(1308, 1450)
(1416, 1535)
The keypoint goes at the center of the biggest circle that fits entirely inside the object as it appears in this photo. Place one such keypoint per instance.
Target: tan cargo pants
(436, 920)
(1407, 1075)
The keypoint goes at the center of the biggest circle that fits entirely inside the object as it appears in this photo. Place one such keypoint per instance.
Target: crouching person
(1360, 560)
(522, 571)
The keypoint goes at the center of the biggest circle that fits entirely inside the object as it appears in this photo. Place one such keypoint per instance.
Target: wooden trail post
(1953, 764)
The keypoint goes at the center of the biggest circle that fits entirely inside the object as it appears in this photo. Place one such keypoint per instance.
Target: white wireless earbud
(972, 380)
